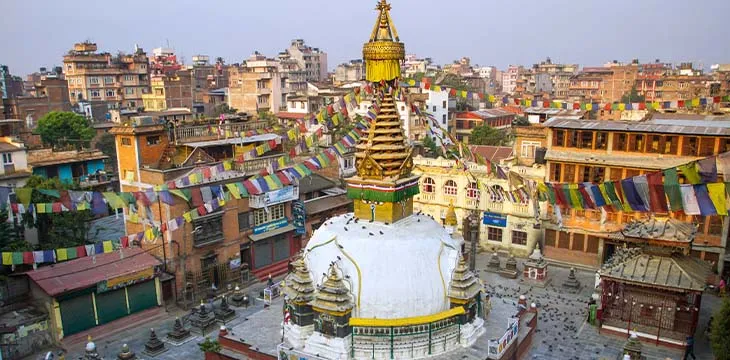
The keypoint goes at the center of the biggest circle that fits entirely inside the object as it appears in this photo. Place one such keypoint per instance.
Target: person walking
(690, 349)
(722, 287)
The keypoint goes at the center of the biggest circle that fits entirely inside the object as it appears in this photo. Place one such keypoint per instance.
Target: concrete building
(207, 77)
(10, 86)
(581, 150)
(164, 62)
(465, 122)
(117, 81)
(296, 76)
(414, 65)
(510, 78)
(506, 226)
(174, 90)
(14, 171)
(312, 60)
(437, 104)
(354, 70)
(49, 94)
(86, 168)
(257, 85)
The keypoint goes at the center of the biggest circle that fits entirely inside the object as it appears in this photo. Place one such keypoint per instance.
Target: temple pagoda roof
(464, 284)
(298, 285)
(673, 272)
(333, 295)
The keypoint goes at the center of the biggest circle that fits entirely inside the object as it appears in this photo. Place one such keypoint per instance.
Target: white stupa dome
(403, 272)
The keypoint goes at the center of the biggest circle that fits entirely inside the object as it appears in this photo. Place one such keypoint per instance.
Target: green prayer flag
(612, 196)
(52, 193)
(71, 253)
(671, 188)
(17, 258)
(180, 194)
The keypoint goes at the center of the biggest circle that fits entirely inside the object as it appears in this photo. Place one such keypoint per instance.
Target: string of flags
(62, 254)
(701, 192)
(694, 102)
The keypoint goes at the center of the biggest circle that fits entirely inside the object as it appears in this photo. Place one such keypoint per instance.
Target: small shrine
(332, 306)
(633, 347)
(90, 352)
(571, 283)
(179, 334)
(465, 290)
(298, 289)
(154, 346)
(651, 285)
(126, 354)
(202, 321)
(510, 268)
(494, 264)
(224, 313)
(239, 299)
(536, 269)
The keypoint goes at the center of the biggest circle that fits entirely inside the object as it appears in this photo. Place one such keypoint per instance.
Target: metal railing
(256, 164)
(195, 133)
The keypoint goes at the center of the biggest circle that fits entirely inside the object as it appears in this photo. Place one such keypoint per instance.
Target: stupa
(224, 313)
(153, 346)
(179, 333)
(202, 321)
(386, 282)
(126, 354)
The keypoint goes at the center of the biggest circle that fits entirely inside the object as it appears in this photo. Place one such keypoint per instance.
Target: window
(211, 229)
(7, 158)
(572, 139)
(707, 146)
(715, 227)
(95, 93)
(519, 237)
(429, 185)
(550, 237)
(108, 79)
(601, 140)
(472, 191)
(443, 119)
(636, 142)
(94, 80)
(655, 144)
(592, 244)
(497, 194)
(593, 174)
(245, 220)
(578, 240)
(528, 149)
(126, 141)
(434, 108)
(450, 188)
(153, 140)
(263, 99)
(129, 91)
(690, 146)
(261, 216)
(128, 77)
(555, 171)
(724, 145)
(443, 104)
(494, 234)
(632, 172)
(559, 138)
(569, 173)
(563, 240)
(670, 144)
(586, 140)
(109, 92)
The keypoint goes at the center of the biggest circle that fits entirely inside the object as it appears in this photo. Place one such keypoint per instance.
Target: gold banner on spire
(384, 51)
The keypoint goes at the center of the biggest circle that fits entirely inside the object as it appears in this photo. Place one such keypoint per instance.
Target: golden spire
(383, 154)
(333, 296)
(298, 285)
(450, 219)
(384, 51)
(464, 285)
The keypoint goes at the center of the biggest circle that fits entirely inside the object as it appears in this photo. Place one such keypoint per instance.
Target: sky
(36, 33)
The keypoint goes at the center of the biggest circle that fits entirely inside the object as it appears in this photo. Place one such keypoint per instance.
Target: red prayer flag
(716, 99)
(284, 180)
(576, 106)
(452, 92)
(546, 104)
(642, 106)
(124, 240)
(680, 103)
(607, 107)
(657, 196)
(81, 250)
(28, 258)
(206, 173)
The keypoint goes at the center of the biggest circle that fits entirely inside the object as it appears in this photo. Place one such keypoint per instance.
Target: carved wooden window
(429, 185)
(450, 188)
(211, 229)
(472, 191)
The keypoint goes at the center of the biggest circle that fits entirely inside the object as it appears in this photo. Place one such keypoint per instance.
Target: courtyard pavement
(562, 332)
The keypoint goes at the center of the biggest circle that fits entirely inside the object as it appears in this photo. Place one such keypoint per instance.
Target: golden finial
(384, 51)
(450, 219)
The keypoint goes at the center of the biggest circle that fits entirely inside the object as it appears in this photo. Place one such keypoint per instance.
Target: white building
(438, 106)
(510, 77)
(312, 60)
(14, 171)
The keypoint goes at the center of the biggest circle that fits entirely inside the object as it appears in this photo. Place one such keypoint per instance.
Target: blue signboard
(494, 219)
(299, 214)
(270, 226)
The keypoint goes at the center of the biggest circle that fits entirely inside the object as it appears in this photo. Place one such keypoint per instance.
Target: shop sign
(274, 197)
(494, 219)
(124, 280)
(270, 226)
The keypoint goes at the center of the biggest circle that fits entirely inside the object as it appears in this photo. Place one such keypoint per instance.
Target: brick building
(50, 94)
(465, 122)
(257, 85)
(601, 150)
(170, 91)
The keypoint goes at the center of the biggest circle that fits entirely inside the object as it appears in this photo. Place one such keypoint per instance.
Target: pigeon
(371, 234)
(346, 228)
(363, 227)
(381, 233)
(338, 257)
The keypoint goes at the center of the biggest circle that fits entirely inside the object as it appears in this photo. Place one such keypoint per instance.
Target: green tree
(223, 109)
(209, 345)
(9, 239)
(433, 148)
(521, 121)
(56, 230)
(632, 96)
(487, 135)
(61, 129)
(720, 331)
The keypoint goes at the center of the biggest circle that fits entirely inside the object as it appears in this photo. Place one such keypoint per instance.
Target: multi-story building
(10, 86)
(581, 150)
(49, 94)
(413, 65)
(487, 72)
(247, 236)
(257, 85)
(115, 81)
(312, 60)
(350, 71)
(557, 74)
(465, 122)
(721, 77)
(510, 77)
(207, 77)
(505, 226)
(164, 62)
(673, 87)
(14, 171)
(86, 168)
(437, 104)
(587, 85)
(174, 90)
(606, 84)
(296, 76)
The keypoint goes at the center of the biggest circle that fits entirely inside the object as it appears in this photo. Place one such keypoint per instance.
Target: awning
(268, 234)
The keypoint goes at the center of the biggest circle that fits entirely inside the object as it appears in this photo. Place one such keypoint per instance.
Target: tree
(632, 96)
(209, 345)
(59, 129)
(9, 239)
(223, 109)
(720, 331)
(432, 147)
(56, 230)
(487, 135)
(521, 121)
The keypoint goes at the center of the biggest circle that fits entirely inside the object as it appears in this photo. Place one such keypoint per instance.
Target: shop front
(271, 246)
(81, 294)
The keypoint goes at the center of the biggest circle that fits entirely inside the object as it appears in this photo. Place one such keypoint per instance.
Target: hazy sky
(35, 33)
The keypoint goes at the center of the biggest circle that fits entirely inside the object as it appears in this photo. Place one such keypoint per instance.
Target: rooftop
(658, 228)
(46, 157)
(492, 153)
(715, 126)
(677, 272)
(483, 114)
(314, 182)
(554, 112)
(88, 271)
(234, 140)
(319, 205)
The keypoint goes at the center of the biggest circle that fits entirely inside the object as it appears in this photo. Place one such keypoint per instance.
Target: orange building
(242, 240)
(597, 150)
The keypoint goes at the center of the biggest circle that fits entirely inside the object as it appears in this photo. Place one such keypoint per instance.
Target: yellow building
(504, 226)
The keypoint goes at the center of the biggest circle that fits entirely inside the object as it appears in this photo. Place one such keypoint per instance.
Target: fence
(194, 133)
(199, 282)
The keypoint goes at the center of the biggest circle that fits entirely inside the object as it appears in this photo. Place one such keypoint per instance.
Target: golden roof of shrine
(464, 284)
(333, 295)
(298, 285)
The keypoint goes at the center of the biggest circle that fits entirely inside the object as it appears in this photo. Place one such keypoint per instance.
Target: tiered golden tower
(384, 51)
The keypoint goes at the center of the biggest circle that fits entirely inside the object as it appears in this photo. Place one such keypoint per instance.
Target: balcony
(263, 91)
(269, 198)
(256, 165)
(523, 210)
(198, 133)
(427, 196)
(491, 206)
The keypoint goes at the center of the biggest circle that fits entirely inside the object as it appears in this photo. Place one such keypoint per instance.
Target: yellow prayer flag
(491, 98)
(227, 165)
(622, 106)
(411, 82)
(589, 106)
(233, 189)
(61, 254)
(188, 218)
(7, 258)
(717, 195)
(108, 246)
(193, 179)
(696, 102)
(436, 88)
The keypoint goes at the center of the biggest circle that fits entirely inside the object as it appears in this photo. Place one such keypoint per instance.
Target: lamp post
(474, 237)
(183, 261)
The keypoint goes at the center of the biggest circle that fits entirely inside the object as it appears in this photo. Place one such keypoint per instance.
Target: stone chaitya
(224, 313)
(126, 354)
(202, 321)
(465, 291)
(536, 269)
(238, 299)
(179, 333)
(154, 346)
